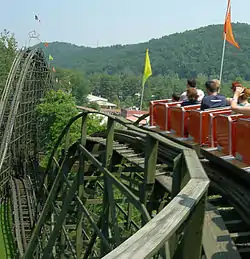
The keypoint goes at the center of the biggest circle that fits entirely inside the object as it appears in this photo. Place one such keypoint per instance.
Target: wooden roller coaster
(178, 188)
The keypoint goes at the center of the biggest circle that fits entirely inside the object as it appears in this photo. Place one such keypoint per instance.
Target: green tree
(188, 54)
(115, 72)
(74, 82)
(8, 50)
(56, 109)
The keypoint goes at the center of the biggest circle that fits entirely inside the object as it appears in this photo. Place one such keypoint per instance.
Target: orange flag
(228, 30)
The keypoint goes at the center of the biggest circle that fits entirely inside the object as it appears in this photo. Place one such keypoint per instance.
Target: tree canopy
(55, 110)
(8, 49)
(115, 72)
(186, 54)
(125, 90)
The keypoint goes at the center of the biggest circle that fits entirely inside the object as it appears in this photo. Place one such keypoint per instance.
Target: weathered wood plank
(149, 239)
(217, 242)
(239, 195)
(191, 244)
(166, 141)
(177, 175)
(213, 227)
(194, 165)
(134, 199)
(233, 166)
(172, 137)
(150, 160)
(165, 181)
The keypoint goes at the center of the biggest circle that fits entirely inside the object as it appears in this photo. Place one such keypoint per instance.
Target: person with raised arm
(240, 92)
(243, 99)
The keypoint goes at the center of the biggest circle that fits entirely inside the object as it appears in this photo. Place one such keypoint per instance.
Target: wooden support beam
(163, 225)
(150, 162)
(191, 244)
(107, 203)
(217, 242)
(60, 219)
(79, 223)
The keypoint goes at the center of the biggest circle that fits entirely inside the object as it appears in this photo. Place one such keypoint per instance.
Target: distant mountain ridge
(188, 53)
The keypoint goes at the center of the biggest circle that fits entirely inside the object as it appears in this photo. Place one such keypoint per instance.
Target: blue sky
(108, 22)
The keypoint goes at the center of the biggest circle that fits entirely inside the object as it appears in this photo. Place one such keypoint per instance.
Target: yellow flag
(147, 69)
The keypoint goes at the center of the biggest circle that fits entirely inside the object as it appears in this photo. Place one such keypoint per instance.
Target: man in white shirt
(192, 83)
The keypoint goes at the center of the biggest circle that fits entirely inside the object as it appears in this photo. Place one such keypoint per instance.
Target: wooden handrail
(190, 184)
(149, 239)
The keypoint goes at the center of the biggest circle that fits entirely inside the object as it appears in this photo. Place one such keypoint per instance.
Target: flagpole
(142, 95)
(222, 57)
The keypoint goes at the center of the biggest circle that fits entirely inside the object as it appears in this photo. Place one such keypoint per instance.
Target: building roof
(105, 103)
(134, 119)
(86, 108)
(99, 100)
(93, 98)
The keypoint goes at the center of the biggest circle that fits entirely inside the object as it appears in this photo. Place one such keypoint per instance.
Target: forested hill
(187, 54)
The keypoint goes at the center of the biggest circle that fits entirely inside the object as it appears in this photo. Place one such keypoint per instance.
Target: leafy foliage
(8, 49)
(115, 72)
(125, 91)
(75, 82)
(187, 54)
(57, 108)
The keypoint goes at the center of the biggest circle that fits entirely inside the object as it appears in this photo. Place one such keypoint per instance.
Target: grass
(7, 244)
